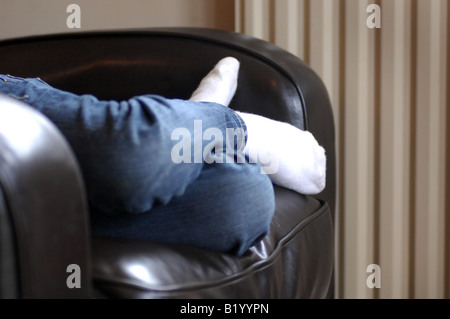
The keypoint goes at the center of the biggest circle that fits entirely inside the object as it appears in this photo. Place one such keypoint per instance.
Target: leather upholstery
(44, 214)
(295, 260)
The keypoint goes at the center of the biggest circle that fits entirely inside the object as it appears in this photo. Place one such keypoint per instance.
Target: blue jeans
(151, 171)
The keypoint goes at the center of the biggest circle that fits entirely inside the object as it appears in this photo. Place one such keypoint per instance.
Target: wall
(24, 17)
(390, 92)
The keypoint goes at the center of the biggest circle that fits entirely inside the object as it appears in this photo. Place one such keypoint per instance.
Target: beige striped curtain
(390, 92)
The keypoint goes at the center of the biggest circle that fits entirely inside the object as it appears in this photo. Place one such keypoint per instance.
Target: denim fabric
(134, 185)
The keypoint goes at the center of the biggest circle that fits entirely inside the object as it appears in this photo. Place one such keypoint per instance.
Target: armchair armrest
(43, 208)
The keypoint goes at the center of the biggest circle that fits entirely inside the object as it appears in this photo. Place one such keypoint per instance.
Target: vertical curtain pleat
(389, 90)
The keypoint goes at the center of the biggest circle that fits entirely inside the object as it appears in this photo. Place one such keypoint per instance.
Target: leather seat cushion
(295, 260)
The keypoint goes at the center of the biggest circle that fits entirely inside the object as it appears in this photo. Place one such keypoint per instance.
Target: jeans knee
(251, 213)
(228, 209)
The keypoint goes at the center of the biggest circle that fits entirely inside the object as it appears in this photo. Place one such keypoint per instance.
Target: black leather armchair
(44, 215)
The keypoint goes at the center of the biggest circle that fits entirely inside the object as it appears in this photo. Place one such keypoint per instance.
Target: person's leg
(128, 161)
(125, 149)
(228, 208)
(292, 157)
(225, 207)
